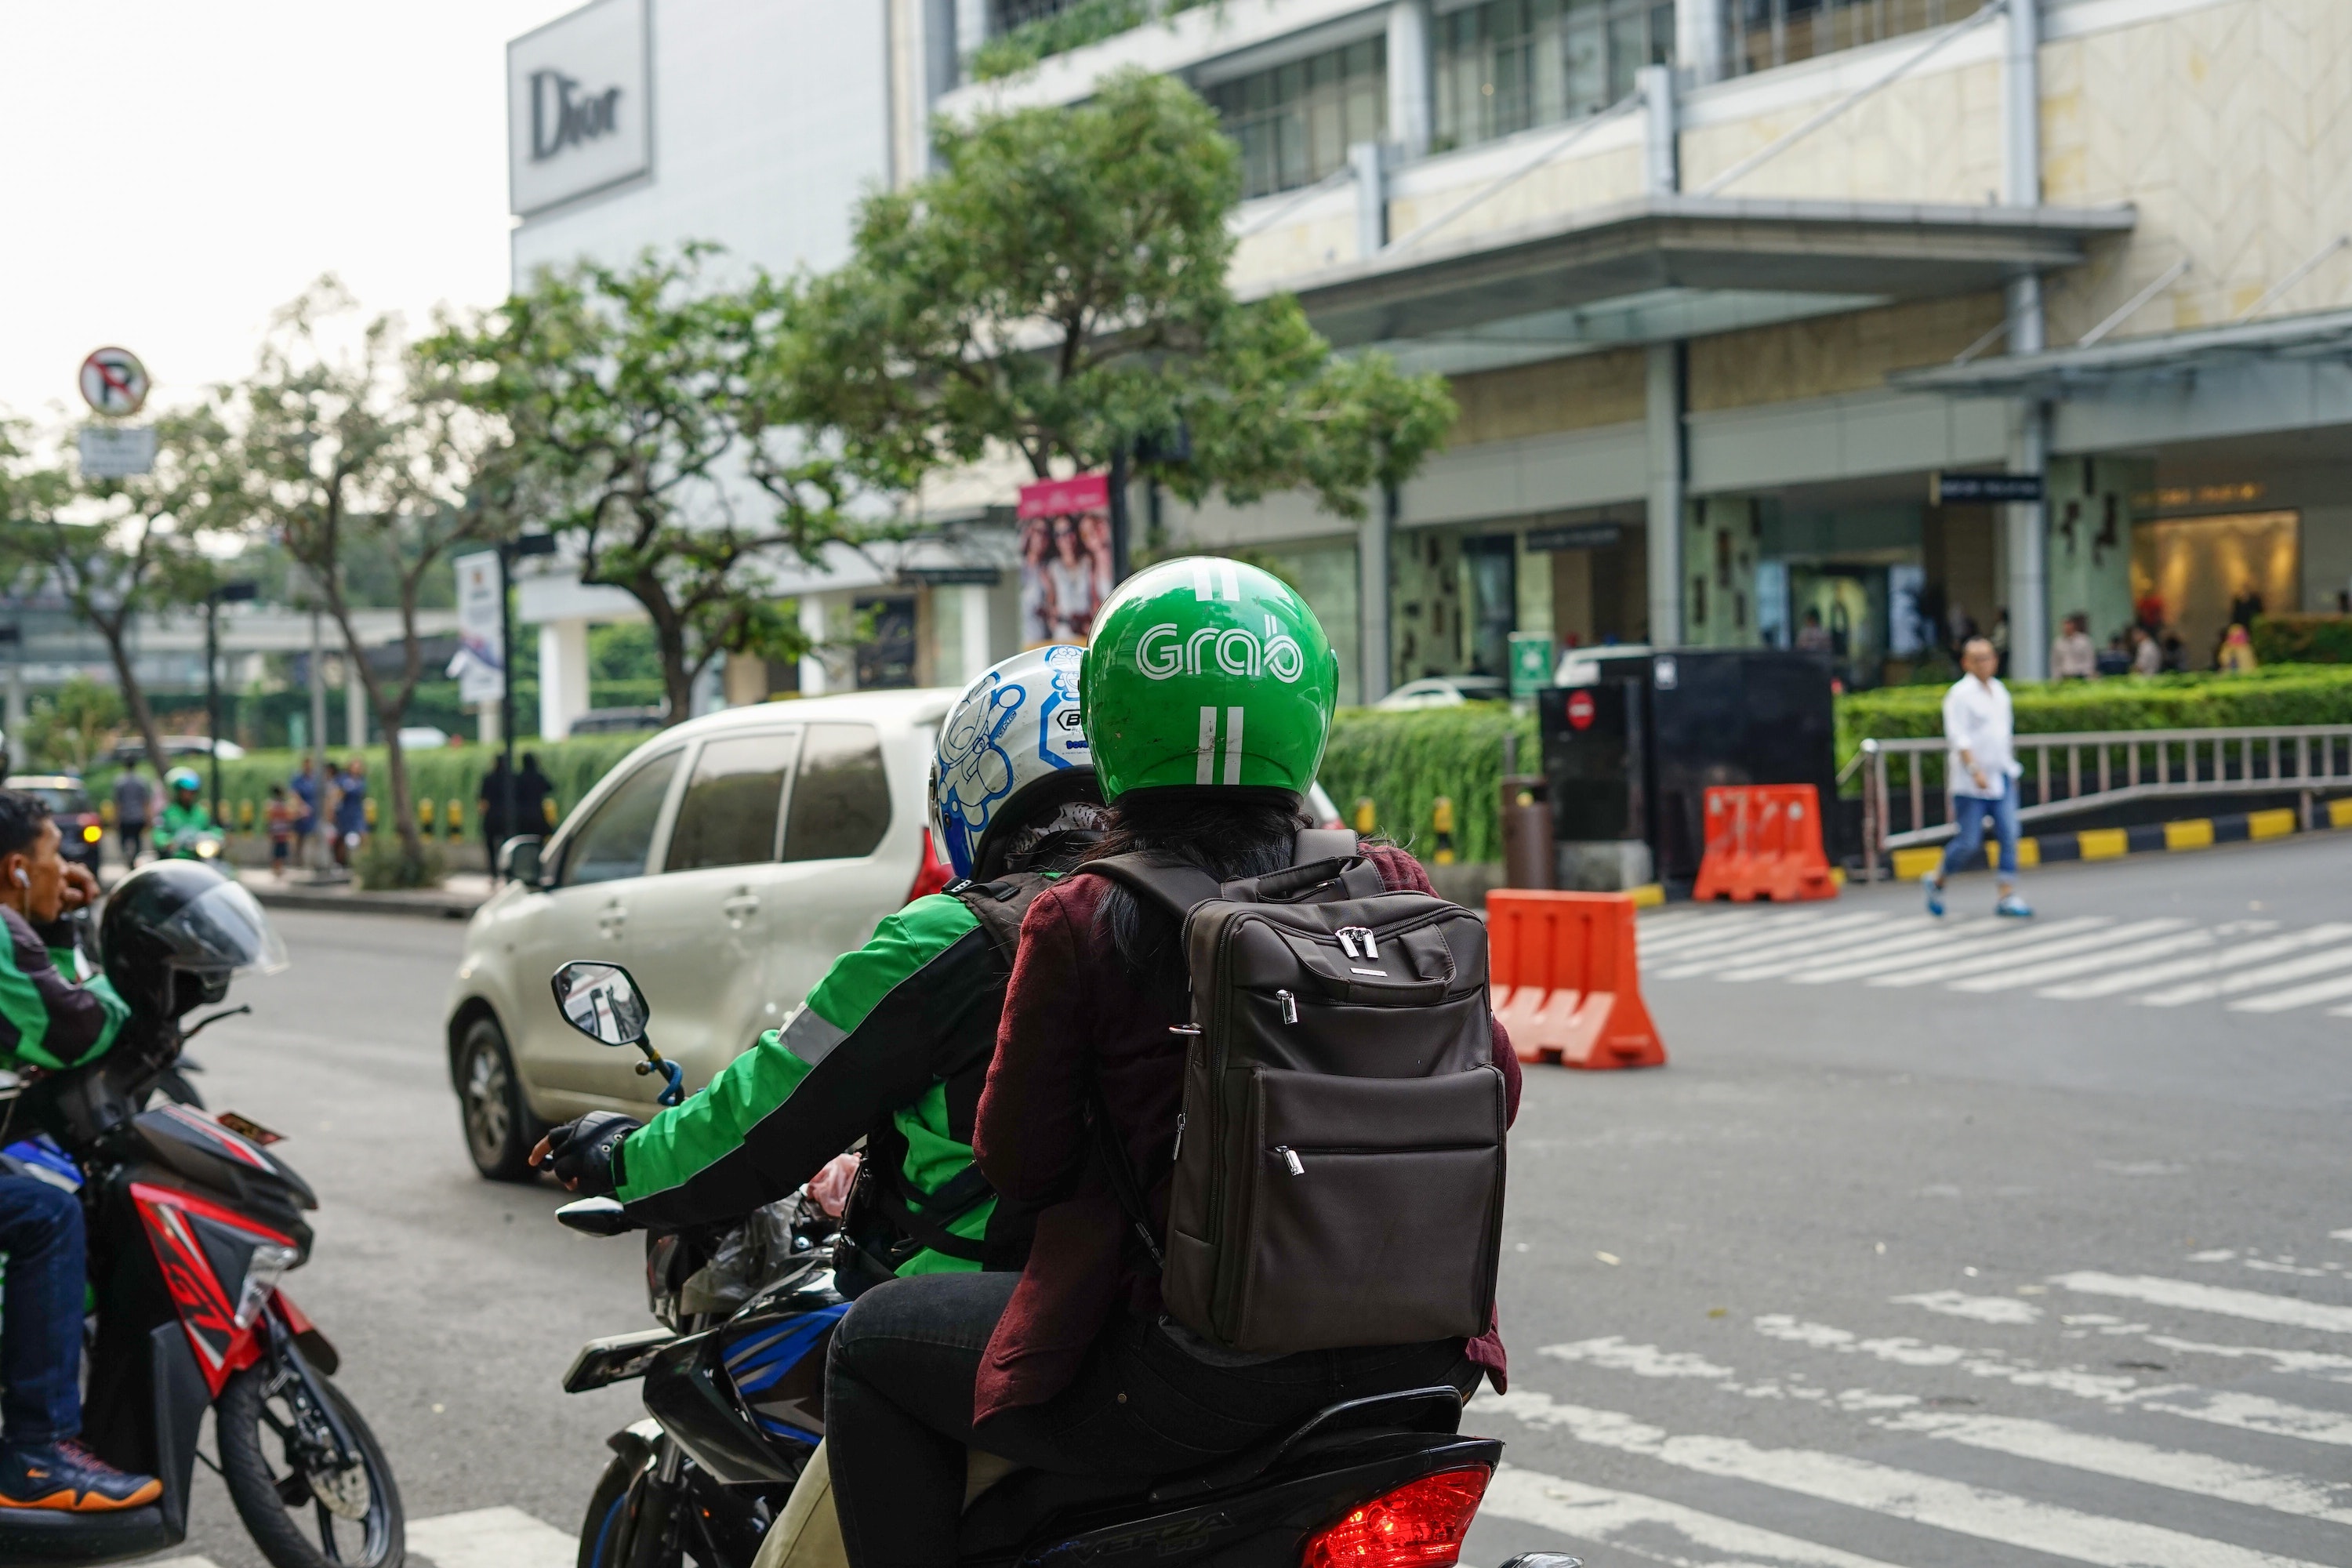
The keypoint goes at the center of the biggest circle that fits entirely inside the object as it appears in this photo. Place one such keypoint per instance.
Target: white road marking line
(2250, 980)
(2007, 941)
(2254, 1412)
(2007, 962)
(2320, 1364)
(1731, 928)
(1600, 1516)
(1908, 1495)
(1698, 957)
(1642, 1361)
(2256, 1306)
(2203, 963)
(491, 1538)
(2202, 1474)
(2090, 964)
(2299, 996)
(1855, 945)
(1977, 1309)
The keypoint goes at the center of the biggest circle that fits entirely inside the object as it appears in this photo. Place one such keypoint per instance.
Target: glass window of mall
(1296, 122)
(1767, 33)
(1505, 66)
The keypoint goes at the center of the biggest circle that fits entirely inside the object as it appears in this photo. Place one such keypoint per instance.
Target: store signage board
(1583, 536)
(1982, 489)
(117, 451)
(579, 105)
(114, 382)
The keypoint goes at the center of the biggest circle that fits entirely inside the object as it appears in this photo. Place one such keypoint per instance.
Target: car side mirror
(518, 861)
(602, 1002)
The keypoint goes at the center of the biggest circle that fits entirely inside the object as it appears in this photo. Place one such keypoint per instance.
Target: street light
(510, 552)
(236, 592)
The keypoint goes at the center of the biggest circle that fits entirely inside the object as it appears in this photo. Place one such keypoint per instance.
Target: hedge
(2303, 640)
(1403, 762)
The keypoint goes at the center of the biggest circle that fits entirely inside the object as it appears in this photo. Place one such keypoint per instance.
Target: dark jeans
(134, 839)
(40, 1316)
(898, 1403)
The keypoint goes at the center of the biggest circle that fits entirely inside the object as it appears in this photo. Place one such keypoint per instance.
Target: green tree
(1058, 289)
(628, 395)
(349, 445)
(118, 550)
(67, 730)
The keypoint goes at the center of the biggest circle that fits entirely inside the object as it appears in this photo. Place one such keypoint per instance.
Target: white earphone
(22, 879)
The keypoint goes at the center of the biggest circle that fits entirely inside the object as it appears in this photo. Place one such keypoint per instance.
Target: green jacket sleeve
(863, 1045)
(46, 1019)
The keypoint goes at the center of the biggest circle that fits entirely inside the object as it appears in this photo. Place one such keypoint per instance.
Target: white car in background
(726, 863)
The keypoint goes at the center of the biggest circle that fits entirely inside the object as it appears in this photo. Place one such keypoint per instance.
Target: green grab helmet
(1207, 672)
(182, 778)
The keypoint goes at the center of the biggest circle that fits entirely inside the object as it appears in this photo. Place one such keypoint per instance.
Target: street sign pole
(522, 545)
(227, 594)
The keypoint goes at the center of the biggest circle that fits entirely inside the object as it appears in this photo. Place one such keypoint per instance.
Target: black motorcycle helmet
(174, 930)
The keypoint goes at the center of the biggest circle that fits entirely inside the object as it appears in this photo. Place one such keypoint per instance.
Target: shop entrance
(2203, 572)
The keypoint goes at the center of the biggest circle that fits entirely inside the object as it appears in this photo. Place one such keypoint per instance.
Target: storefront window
(1508, 66)
(1767, 33)
(1296, 122)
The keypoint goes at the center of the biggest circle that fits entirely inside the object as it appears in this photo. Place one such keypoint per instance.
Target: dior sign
(579, 105)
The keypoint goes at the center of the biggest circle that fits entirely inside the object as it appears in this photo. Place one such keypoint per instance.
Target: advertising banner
(481, 665)
(1065, 566)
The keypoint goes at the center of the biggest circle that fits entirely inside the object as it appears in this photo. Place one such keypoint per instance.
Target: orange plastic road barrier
(1764, 841)
(1562, 970)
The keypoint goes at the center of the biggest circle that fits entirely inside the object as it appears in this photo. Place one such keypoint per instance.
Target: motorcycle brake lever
(206, 1023)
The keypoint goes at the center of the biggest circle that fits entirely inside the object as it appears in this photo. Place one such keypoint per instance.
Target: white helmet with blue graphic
(1011, 755)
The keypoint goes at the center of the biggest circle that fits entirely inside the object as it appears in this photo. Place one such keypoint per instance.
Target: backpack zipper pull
(1290, 1158)
(1289, 1006)
(1177, 1152)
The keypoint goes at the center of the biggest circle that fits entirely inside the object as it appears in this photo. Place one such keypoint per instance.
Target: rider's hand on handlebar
(829, 1188)
(581, 1151)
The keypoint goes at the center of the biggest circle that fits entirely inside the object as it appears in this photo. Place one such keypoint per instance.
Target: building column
(1373, 537)
(971, 31)
(355, 705)
(972, 628)
(1410, 84)
(562, 675)
(2027, 526)
(812, 612)
(1664, 517)
(1701, 47)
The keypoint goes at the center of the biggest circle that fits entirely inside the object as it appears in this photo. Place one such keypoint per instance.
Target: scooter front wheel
(301, 1513)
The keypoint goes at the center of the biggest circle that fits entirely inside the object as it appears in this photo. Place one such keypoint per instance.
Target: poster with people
(1066, 557)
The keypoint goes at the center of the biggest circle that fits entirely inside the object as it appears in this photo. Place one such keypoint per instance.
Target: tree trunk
(669, 641)
(134, 696)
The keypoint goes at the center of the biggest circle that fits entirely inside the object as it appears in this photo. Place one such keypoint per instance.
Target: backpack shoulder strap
(1000, 906)
(1178, 888)
(1360, 878)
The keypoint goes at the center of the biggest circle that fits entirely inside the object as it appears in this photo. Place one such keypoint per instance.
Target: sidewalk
(457, 898)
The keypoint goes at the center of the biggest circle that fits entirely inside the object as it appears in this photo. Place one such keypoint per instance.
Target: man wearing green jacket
(893, 1043)
(184, 812)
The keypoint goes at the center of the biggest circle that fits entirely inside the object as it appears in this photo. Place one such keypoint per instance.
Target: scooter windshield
(225, 928)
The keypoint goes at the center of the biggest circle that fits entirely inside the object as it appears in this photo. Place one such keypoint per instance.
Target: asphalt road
(1877, 1271)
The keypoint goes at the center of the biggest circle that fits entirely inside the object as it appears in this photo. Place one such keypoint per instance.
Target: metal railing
(2077, 772)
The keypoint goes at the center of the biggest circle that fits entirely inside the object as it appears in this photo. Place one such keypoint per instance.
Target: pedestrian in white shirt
(2073, 655)
(1984, 774)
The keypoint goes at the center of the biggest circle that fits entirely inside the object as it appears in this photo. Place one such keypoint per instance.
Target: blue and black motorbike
(734, 1390)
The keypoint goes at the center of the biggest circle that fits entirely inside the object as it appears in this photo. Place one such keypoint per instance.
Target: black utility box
(1633, 756)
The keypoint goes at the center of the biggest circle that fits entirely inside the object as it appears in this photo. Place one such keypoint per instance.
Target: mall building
(1757, 311)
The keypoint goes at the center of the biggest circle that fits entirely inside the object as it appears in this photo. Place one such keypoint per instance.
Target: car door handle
(611, 918)
(740, 908)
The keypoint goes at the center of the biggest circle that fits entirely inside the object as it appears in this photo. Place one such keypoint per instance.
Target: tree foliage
(1059, 289)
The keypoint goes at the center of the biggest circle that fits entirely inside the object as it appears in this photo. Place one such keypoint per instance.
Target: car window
(613, 842)
(728, 815)
(841, 801)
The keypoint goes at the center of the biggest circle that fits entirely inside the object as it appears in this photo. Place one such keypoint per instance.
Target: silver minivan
(727, 862)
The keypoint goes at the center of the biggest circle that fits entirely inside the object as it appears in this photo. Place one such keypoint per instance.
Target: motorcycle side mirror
(602, 1002)
(518, 861)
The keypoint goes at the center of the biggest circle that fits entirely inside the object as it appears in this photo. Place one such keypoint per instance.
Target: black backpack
(1338, 1161)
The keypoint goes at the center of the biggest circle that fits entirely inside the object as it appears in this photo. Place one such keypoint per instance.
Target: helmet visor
(223, 929)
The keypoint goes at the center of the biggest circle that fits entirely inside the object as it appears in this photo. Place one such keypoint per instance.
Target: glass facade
(1295, 123)
(1767, 33)
(1505, 66)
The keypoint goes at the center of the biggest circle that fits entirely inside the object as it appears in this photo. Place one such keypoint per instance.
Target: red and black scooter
(193, 1223)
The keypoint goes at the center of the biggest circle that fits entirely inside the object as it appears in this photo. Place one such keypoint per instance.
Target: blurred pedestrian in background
(279, 813)
(2236, 656)
(2073, 655)
(134, 801)
(305, 785)
(1984, 774)
(534, 798)
(351, 808)
(2147, 654)
(490, 810)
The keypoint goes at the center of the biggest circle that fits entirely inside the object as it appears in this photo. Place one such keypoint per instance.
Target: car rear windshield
(62, 802)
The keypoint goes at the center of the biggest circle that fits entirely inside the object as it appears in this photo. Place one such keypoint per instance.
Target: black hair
(1228, 833)
(22, 815)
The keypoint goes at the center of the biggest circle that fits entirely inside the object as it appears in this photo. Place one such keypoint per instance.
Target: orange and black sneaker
(68, 1477)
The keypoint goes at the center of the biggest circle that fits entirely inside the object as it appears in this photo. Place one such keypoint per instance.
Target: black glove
(581, 1152)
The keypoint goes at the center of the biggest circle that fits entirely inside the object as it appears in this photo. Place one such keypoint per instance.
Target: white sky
(170, 174)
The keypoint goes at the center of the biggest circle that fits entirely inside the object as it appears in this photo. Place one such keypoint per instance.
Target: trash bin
(1526, 832)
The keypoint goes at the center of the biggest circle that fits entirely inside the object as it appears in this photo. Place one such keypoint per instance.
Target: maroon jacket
(1071, 1009)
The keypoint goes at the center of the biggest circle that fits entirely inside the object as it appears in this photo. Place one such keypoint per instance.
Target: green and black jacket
(893, 1045)
(49, 1018)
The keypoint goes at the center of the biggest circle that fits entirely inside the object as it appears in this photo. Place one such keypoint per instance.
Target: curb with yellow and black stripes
(2114, 842)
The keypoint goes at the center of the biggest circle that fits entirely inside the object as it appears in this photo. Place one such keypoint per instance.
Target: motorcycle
(193, 1223)
(196, 844)
(734, 1388)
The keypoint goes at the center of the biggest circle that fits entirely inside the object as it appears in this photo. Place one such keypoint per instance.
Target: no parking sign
(114, 382)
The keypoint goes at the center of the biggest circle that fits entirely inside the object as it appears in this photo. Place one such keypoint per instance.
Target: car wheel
(499, 1128)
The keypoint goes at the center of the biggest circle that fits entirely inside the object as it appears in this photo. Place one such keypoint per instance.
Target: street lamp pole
(508, 552)
(239, 591)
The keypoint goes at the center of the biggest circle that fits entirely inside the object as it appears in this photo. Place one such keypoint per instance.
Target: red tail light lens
(936, 873)
(1418, 1525)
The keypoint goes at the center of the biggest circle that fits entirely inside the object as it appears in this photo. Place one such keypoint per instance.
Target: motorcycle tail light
(936, 873)
(1417, 1525)
(266, 1266)
(91, 833)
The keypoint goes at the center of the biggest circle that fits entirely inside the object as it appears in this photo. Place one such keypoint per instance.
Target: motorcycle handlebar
(596, 1217)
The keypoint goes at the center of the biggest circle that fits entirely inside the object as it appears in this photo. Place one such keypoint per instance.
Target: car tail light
(1417, 1525)
(91, 833)
(936, 873)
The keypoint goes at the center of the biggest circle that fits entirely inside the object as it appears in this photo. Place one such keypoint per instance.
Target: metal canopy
(2320, 334)
(1675, 245)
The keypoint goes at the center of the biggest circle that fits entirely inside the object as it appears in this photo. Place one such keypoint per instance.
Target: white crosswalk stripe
(477, 1538)
(2246, 967)
(1634, 1525)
